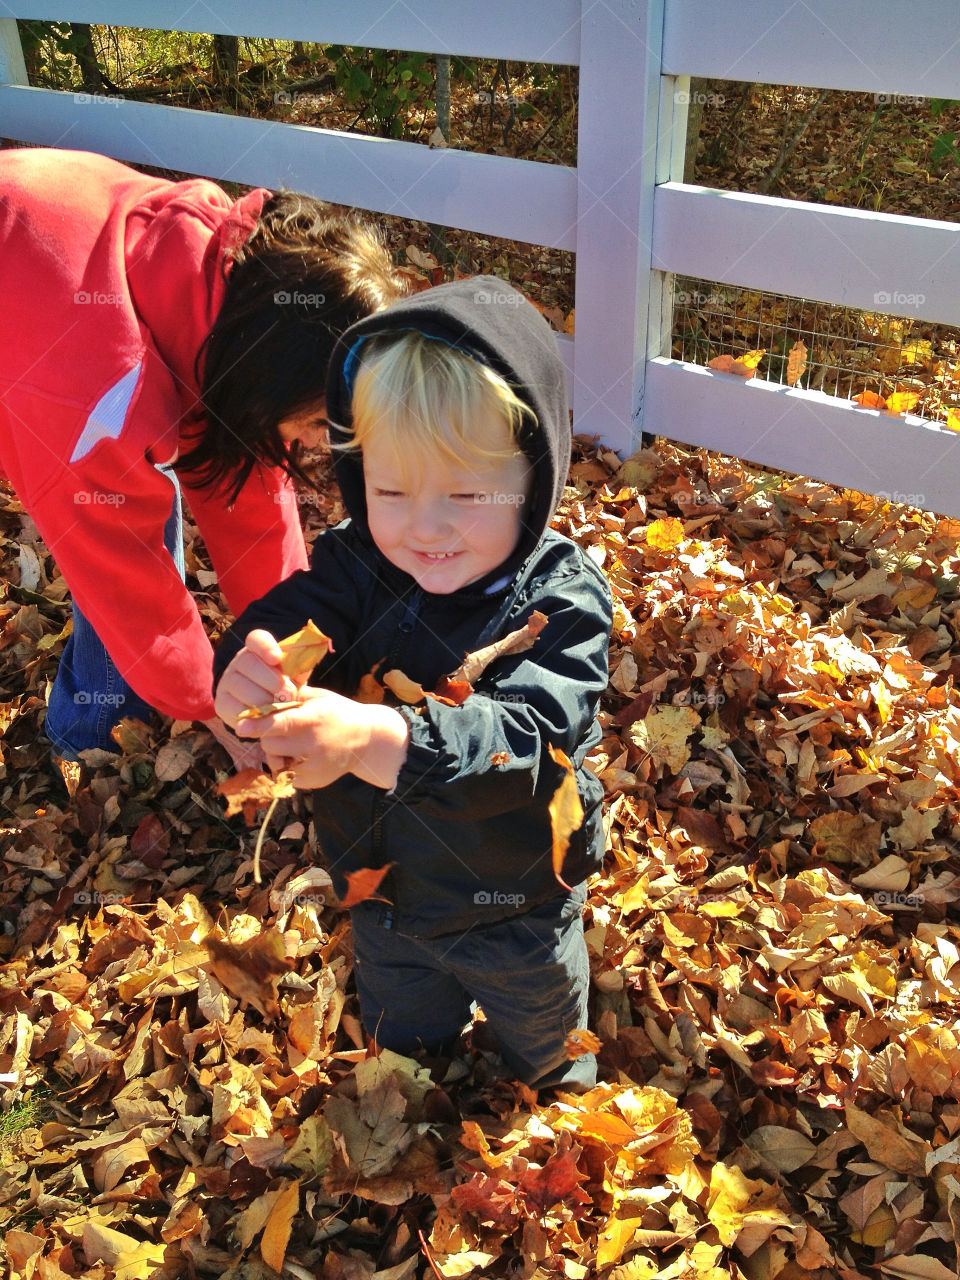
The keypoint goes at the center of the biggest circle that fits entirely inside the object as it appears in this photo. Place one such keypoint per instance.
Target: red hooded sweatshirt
(110, 280)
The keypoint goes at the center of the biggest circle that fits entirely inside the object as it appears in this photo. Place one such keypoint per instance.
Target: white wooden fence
(632, 223)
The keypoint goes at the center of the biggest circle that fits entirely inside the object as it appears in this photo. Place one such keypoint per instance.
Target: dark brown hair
(307, 272)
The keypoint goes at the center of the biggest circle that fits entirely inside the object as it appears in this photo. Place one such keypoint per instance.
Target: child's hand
(328, 735)
(253, 679)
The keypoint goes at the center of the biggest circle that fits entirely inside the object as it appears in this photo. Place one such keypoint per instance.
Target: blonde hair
(421, 394)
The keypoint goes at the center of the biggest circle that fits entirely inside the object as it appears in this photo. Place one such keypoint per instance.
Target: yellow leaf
(796, 362)
(730, 1193)
(566, 811)
(901, 401)
(664, 534)
(953, 419)
(276, 1234)
(663, 734)
(303, 651)
(615, 1235)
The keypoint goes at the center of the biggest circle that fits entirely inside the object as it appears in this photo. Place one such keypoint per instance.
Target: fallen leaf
(363, 884)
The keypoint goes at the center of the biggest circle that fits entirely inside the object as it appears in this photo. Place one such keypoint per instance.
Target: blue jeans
(90, 696)
(530, 975)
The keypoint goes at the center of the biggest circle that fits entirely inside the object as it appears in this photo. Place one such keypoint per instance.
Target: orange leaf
(364, 884)
(303, 651)
(250, 790)
(276, 1234)
(474, 664)
(369, 690)
(901, 401)
(403, 687)
(664, 534)
(579, 1042)
(744, 366)
(566, 812)
(796, 362)
(870, 400)
(456, 692)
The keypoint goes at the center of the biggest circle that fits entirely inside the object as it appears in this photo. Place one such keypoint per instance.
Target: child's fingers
(264, 646)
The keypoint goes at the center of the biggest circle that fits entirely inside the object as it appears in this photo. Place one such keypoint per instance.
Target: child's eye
(465, 497)
(387, 493)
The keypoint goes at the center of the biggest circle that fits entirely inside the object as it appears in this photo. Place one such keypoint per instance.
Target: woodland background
(774, 941)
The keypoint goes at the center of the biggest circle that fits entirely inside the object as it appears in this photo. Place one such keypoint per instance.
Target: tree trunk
(91, 76)
(438, 235)
(226, 56)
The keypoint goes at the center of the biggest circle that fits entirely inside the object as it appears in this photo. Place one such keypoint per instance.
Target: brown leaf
(303, 651)
(566, 811)
(474, 664)
(364, 884)
(250, 790)
(251, 969)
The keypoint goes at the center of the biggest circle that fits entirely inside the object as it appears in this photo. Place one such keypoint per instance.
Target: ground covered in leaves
(775, 945)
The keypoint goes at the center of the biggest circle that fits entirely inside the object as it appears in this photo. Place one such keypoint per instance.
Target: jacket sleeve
(328, 594)
(103, 521)
(256, 542)
(489, 755)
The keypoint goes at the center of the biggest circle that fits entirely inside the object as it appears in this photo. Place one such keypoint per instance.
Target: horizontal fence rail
(532, 31)
(850, 257)
(440, 185)
(881, 46)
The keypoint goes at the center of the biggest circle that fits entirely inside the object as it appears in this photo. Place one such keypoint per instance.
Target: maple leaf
(664, 535)
(363, 884)
(580, 1042)
(250, 790)
(550, 1184)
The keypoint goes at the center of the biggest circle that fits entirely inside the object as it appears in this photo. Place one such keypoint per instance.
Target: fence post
(620, 48)
(13, 69)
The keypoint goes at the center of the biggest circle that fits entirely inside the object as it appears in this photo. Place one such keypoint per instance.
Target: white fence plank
(852, 257)
(616, 170)
(13, 69)
(517, 199)
(883, 47)
(534, 31)
(806, 432)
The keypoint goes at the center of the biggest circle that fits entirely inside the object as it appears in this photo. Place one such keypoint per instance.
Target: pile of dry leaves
(775, 944)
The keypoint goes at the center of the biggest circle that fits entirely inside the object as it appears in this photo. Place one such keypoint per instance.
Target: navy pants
(529, 974)
(89, 695)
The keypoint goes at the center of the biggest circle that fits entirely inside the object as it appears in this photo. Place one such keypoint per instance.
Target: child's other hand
(327, 735)
(253, 679)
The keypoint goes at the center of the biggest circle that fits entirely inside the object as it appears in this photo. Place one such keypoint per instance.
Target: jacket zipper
(404, 629)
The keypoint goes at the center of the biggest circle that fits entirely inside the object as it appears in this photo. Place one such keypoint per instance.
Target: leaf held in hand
(404, 688)
(250, 790)
(566, 812)
(364, 884)
(303, 651)
(474, 664)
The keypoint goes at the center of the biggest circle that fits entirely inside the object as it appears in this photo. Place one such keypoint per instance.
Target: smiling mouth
(436, 555)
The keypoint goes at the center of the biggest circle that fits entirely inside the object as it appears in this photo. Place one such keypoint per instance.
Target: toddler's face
(446, 525)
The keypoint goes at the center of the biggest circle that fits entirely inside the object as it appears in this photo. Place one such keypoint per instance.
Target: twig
(263, 827)
(787, 152)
